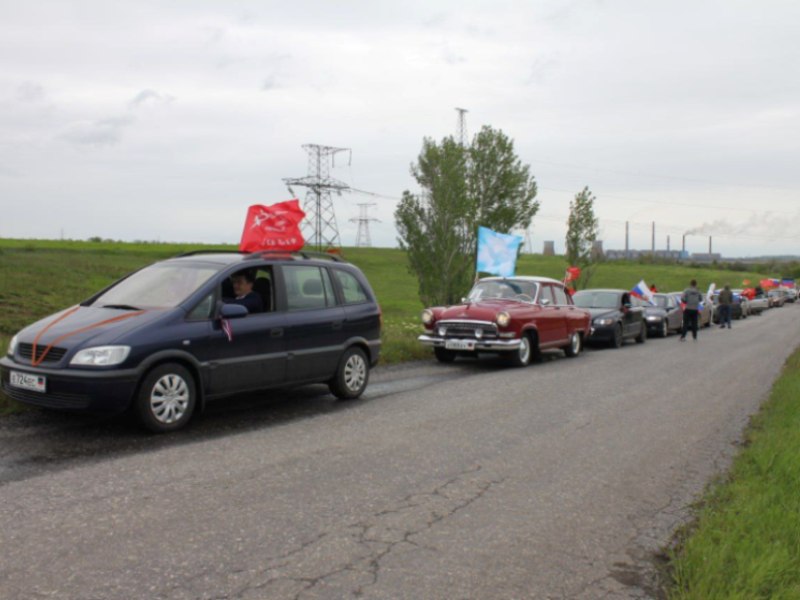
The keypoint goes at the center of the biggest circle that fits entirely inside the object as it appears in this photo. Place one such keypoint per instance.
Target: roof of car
(604, 290)
(226, 258)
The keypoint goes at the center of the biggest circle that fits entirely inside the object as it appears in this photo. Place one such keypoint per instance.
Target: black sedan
(664, 316)
(614, 317)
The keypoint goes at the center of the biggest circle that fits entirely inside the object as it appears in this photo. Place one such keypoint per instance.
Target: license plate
(26, 381)
(459, 345)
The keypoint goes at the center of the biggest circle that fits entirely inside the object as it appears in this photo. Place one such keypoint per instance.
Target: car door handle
(337, 325)
(276, 333)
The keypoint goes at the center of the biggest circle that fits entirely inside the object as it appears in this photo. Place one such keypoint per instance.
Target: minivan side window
(307, 287)
(351, 288)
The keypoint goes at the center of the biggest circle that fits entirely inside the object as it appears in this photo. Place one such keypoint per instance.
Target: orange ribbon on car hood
(37, 361)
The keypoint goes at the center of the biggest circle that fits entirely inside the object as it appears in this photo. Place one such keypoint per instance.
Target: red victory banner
(572, 274)
(273, 227)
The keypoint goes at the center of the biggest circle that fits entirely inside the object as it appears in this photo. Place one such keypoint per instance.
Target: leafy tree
(436, 228)
(501, 187)
(462, 188)
(582, 231)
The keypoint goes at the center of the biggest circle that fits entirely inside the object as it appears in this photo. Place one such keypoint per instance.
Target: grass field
(746, 542)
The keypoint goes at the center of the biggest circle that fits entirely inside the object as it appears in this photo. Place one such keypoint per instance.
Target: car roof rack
(196, 252)
(294, 255)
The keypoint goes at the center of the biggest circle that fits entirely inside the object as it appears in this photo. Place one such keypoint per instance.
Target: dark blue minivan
(170, 337)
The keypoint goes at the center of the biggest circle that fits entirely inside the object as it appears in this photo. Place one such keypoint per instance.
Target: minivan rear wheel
(352, 375)
(167, 397)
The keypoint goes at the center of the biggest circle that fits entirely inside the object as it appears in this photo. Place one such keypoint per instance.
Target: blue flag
(497, 252)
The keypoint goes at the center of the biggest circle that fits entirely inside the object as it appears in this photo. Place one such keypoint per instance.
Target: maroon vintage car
(515, 316)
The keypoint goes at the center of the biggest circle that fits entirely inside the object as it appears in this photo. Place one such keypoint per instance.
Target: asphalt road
(561, 480)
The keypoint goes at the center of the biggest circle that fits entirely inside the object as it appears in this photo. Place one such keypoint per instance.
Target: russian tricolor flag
(640, 290)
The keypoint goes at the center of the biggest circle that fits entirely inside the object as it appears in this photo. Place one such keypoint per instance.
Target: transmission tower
(461, 127)
(362, 237)
(319, 226)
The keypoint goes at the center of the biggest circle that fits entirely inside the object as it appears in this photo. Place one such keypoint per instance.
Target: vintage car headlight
(12, 346)
(603, 322)
(101, 356)
(427, 316)
(503, 319)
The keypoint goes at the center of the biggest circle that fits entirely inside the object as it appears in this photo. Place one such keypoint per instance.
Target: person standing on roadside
(725, 306)
(691, 298)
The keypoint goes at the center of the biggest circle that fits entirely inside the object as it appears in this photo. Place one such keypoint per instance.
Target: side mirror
(464, 300)
(233, 311)
(544, 301)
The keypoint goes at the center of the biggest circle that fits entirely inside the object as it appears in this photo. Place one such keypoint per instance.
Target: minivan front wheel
(352, 375)
(167, 397)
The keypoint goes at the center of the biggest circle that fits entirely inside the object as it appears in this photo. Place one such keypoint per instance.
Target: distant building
(705, 257)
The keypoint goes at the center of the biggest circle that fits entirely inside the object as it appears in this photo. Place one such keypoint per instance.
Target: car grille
(53, 355)
(467, 329)
(47, 400)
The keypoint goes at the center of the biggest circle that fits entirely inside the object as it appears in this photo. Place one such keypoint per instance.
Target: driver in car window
(243, 292)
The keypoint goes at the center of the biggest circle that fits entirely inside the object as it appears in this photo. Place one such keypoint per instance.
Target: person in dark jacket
(243, 291)
(691, 298)
(725, 306)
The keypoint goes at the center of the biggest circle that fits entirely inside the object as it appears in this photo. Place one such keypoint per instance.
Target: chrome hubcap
(169, 398)
(524, 350)
(355, 372)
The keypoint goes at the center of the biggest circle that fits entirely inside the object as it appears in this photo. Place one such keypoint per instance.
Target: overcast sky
(156, 120)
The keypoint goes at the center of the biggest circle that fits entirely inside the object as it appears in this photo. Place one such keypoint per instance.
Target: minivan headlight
(101, 356)
(12, 346)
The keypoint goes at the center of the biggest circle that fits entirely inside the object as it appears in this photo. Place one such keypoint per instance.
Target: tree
(582, 231)
(462, 187)
(500, 186)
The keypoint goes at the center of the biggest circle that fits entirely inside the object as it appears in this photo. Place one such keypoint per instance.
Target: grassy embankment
(39, 277)
(745, 543)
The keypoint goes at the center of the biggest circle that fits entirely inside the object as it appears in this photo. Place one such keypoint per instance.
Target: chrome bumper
(480, 345)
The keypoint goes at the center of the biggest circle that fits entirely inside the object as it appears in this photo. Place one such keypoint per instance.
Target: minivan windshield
(162, 285)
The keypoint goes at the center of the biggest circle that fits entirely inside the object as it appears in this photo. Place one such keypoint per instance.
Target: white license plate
(459, 345)
(26, 381)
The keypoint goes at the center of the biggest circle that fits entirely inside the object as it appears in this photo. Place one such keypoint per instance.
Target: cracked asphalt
(462, 481)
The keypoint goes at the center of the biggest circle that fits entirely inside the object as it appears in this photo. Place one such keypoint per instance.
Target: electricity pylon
(362, 237)
(461, 130)
(319, 225)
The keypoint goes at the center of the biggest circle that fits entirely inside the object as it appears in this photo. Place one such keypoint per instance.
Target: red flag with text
(273, 227)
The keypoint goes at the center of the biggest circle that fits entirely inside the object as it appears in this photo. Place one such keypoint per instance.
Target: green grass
(745, 543)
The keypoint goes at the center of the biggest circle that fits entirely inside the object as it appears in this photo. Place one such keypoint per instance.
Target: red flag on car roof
(273, 227)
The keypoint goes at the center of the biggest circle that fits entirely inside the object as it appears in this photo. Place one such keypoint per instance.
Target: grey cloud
(97, 133)
(149, 97)
(269, 83)
(30, 92)
(539, 70)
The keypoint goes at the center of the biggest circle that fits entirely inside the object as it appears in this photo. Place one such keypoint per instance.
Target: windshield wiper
(121, 306)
